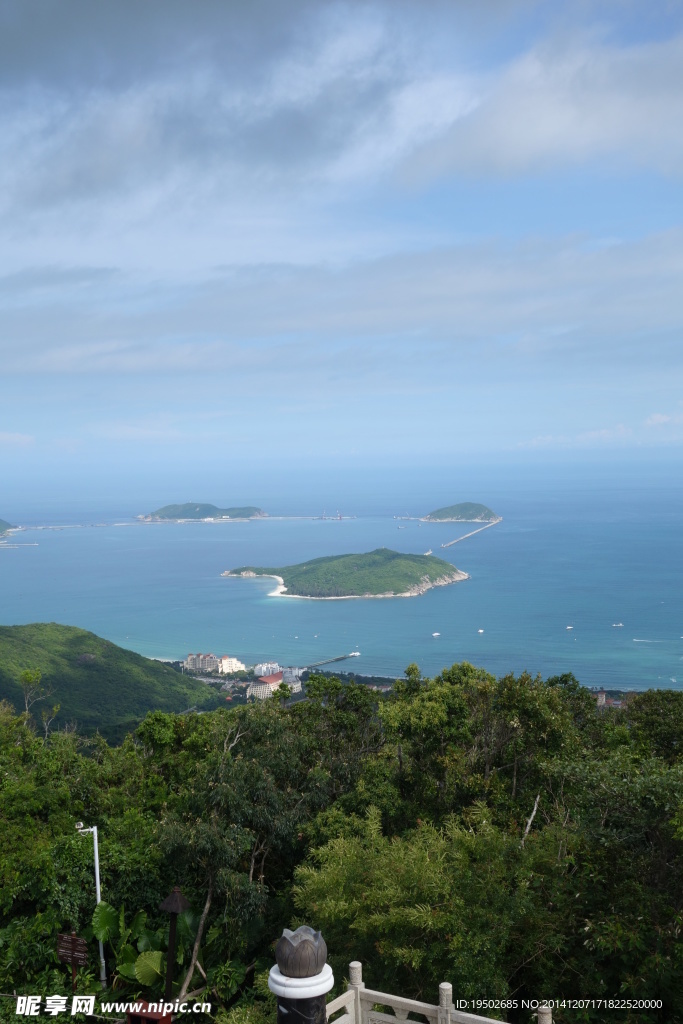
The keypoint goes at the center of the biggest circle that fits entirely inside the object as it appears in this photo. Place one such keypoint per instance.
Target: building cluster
(210, 663)
(270, 675)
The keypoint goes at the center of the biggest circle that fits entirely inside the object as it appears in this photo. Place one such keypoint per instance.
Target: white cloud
(534, 308)
(598, 438)
(567, 103)
(660, 419)
(144, 432)
(240, 203)
(15, 440)
(350, 103)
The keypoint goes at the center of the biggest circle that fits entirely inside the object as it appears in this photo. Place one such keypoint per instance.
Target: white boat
(569, 627)
(436, 634)
(480, 631)
(617, 625)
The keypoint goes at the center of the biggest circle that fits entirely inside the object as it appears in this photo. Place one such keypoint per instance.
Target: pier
(329, 661)
(470, 534)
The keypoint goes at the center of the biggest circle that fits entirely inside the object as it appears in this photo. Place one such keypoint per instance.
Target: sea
(586, 581)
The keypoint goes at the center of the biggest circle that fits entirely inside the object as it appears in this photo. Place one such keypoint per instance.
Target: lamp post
(174, 904)
(82, 830)
(301, 978)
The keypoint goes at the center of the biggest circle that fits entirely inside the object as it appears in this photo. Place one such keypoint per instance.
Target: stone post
(544, 1015)
(301, 978)
(445, 1002)
(356, 983)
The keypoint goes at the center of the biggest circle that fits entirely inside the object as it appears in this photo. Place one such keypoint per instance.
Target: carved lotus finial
(301, 954)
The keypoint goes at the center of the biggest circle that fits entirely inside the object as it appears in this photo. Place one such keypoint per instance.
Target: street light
(82, 830)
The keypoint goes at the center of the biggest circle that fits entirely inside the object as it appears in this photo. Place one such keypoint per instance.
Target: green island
(5, 527)
(379, 573)
(98, 686)
(464, 512)
(195, 510)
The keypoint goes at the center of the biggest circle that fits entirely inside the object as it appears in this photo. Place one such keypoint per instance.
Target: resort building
(265, 686)
(201, 663)
(292, 678)
(227, 665)
(266, 668)
(261, 691)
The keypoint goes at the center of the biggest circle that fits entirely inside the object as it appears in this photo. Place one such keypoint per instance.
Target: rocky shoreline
(420, 588)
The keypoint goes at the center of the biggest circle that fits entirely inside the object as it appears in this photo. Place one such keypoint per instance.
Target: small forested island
(464, 512)
(5, 527)
(198, 510)
(379, 573)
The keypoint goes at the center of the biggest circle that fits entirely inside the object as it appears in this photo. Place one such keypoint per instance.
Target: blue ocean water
(588, 561)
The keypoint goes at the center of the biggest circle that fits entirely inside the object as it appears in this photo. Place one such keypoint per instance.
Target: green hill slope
(464, 512)
(99, 685)
(377, 573)
(5, 526)
(199, 510)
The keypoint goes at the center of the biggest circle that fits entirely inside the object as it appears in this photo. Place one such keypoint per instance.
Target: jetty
(457, 540)
(329, 661)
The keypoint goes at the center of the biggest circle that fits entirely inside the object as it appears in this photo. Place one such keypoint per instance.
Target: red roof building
(272, 681)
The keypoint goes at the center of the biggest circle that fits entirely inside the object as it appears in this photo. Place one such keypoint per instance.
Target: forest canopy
(505, 835)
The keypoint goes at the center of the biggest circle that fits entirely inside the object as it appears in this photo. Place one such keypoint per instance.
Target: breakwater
(471, 533)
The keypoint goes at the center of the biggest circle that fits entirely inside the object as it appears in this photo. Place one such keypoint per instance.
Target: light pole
(82, 830)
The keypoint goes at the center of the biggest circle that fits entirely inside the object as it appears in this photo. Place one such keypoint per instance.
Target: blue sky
(248, 239)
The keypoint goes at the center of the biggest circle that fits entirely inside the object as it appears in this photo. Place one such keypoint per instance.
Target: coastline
(457, 576)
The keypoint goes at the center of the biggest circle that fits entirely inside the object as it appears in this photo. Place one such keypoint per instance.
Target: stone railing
(359, 1002)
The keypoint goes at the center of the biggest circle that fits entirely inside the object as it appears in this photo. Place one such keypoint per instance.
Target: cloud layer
(382, 203)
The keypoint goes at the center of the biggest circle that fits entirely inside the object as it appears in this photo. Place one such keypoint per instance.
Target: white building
(261, 689)
(291, 677)
(201, 663)
(228, 665)
(265, 686)
(266, 668)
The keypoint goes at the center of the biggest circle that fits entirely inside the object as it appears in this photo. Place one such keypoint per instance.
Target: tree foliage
(502, 834)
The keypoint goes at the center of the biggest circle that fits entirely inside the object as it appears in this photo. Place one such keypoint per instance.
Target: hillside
(464, 512)
(98, 685)
(194, 510)
(380, 573)
(5, 526)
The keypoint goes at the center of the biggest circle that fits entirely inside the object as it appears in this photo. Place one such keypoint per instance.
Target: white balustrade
(358, 1002)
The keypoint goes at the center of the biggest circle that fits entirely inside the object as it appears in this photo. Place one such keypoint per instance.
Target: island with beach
(379, 573)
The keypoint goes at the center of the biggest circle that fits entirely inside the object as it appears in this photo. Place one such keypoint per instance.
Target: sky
(264, 241)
